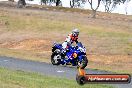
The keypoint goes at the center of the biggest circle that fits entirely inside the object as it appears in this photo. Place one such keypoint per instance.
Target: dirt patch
(117, 63)
(111, 59)
(28, 44)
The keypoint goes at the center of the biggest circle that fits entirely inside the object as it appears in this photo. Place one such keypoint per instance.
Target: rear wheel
(56, 58)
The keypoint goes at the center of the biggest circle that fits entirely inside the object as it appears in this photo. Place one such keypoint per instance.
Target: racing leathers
(69, 40)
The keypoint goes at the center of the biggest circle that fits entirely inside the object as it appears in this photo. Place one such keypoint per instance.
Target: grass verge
(20, 79)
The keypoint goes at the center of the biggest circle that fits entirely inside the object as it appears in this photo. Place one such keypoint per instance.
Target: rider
(71, 38)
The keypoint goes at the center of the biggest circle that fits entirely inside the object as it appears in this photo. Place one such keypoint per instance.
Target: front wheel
(83, 63)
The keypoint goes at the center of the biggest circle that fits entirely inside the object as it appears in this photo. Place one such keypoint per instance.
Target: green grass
(20, 79)
(47, 24)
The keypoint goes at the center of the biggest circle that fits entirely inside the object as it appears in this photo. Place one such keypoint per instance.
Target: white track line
(60, 71)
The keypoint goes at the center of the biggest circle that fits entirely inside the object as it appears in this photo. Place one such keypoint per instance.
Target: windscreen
(79, 44)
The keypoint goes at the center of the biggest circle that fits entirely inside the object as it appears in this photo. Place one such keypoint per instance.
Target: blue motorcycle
(75, 55)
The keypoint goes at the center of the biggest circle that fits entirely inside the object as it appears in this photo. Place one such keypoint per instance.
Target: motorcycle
(75, 55)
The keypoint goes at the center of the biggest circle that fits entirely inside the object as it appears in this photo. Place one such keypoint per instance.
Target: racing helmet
(75, 32)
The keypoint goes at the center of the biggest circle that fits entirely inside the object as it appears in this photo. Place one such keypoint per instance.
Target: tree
(58, 2)
(94, 10)
(77, 3)
(107, 4)
(110, 5)
(44, 2)
(72, 3)
(50, 2)
(126, 5)
(21, 3)
(11, 0)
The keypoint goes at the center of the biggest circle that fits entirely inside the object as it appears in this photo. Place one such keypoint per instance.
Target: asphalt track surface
(49, 69)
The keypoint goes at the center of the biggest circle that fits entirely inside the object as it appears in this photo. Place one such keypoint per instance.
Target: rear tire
(55, 58)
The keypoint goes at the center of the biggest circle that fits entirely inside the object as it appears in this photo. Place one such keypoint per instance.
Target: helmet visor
(75, 34)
